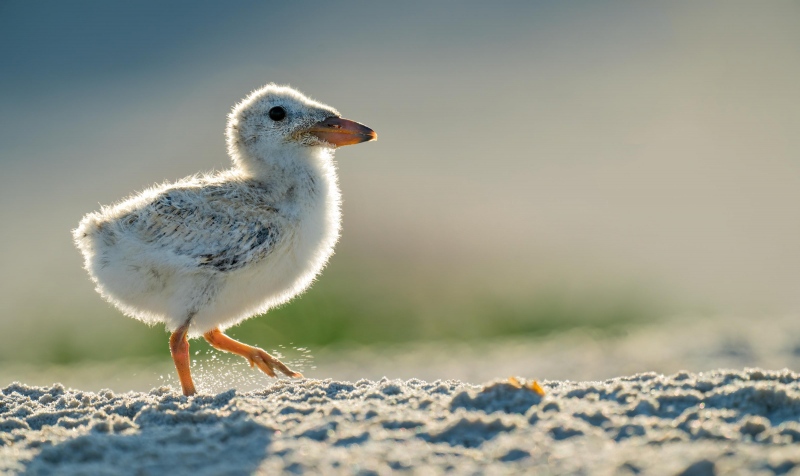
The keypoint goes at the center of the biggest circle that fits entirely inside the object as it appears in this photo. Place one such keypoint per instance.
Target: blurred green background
(542, 166)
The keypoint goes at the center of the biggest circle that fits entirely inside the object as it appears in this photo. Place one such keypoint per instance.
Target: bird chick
(209, 251)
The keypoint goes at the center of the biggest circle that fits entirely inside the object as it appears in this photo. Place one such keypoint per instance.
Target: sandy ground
(695, 424)
(432, 415)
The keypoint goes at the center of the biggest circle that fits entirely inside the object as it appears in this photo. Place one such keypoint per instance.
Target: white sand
(708, 423)
(712, 422)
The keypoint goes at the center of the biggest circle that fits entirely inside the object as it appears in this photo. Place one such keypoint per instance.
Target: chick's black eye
(277, 113)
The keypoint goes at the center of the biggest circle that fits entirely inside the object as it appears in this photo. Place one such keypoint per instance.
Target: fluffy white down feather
(216, 249)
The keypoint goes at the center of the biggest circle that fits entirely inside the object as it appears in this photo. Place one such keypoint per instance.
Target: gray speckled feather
(206, 224)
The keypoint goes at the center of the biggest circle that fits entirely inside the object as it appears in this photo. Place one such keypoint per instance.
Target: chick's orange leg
(179, 348)
(254, 355)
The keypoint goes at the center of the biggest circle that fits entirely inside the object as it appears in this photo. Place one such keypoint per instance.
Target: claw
(257, 357)
(264, 366)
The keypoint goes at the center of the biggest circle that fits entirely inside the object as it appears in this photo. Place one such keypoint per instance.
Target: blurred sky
(644, 144)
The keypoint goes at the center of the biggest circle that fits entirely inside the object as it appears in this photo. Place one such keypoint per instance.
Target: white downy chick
(209, 251)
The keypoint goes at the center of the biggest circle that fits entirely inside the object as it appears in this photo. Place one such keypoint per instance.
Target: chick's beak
(339, 132)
